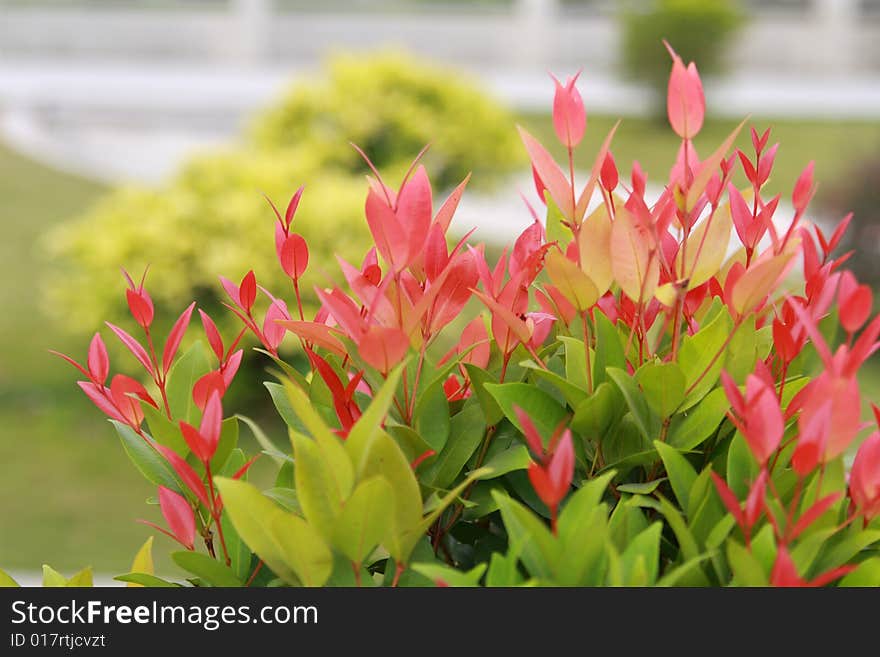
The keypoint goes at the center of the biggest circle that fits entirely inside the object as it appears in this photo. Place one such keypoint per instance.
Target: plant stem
(254, 574)
(587, 352)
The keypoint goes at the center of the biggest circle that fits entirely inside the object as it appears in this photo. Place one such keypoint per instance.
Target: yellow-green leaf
(759, 280)
(365, 519)
(636, 269)
(143, 561)
(594, 244)
(285, 542)
(571, 281)
(52, 578)
(369, 425)
(6, 581)
(706, 247)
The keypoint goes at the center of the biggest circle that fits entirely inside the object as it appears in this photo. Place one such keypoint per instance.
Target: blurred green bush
(699, 30)
(211, 218)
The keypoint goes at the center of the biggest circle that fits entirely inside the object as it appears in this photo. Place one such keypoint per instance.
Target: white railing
(814, 37)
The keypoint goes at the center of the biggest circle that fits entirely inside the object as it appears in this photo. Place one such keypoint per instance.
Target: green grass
(68, 495)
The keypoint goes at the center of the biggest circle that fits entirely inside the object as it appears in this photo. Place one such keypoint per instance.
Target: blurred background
(144, 132)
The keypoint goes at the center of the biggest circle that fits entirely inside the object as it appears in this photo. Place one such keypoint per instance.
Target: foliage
(632, 407)
(211, 216)
(700, 30)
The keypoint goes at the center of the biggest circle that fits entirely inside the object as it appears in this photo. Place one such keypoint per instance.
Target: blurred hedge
(211, 218)
(698, 30)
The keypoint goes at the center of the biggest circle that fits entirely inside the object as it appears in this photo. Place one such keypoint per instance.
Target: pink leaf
(179, 516)
(294, 255)
(172, 344)
(569, 115)
(133, 346)
(550, 173)
(186, 473)
(812, 514)
(98, 361)
(212, 334)
(444, 215)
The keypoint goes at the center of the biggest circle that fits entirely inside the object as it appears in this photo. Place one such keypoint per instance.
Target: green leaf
(647, 547)
(385, 459)
(594, 417)
(146, 459)
(530, 536)
(635, 400)
(645, 488)
(288, 545)
(575, 362)
(742, 352)
(82, 579)
(683, 572)
(228, 442)
(747, 570)
(164, 431)
(503, 570)
(369, 425)
(260, 436)
(182, 376)
(465, 436)
(681, 474)
(543, 410)
(627, 521)
(319, 490)
(663, 387)
(701, 359)
(609, 349)
(285, 410)
(6, 582)
(867, 574)
(450, 576)
(479, 378)
(572, 394)
(209, 570)
(432, 415)
(145, 579)
(840, 553)
(697, 424)
(365, 519)
(515, 458)
(579, 506)
(583, 546)
(686, 540)
(742, 469)
(52, 578)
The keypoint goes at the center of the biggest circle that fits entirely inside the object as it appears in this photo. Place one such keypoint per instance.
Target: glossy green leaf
(681, 473)
(365, 519)
(319, 488)
(146, 459)
(370, 423)
(866, 574)
(515, 458)
(747, 569)
(575, 362)
(228, 442)
(742, 469)
(466, 434)
(609, 349)
(164, 431)
(701, 358)
(663, 387)
(210, 571)
(182, 376)
(594, 416)
(543, 410)
(286, 543)
(635, 401)
(285, 410)
(536, 546)
(697, 424)
(431, 417)
(647, 546)
(571, 393)
(450, 576)
(145, 579)
(479, 378)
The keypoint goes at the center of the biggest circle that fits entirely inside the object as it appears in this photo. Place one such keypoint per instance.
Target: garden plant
(640, 391)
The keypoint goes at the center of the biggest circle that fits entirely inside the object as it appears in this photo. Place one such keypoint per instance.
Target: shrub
(630, 407)
(210, 217)
(700, 30)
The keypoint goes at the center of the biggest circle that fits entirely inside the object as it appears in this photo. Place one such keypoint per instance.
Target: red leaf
(383, 347)
(729, 499)
(70, 360)
(133, 346)
(230, 367)
(856, 308)
(609, 176)
(207, 385)
(101, 400)
(389, 236)
(561, 468)
(414, 211)
(247, 293)
(685, 103)
(803, 189)
(533, 438)
(186, 473)
(294, 255)
(444, 215)
(141, 307)
(175, 336)
(126, 394)
(98, 361)
(293, 205)
(212, 334)
(569, 115)
(196, 442)
(179, 516)
(812, 514)
(318, 334)
(784, 572)
(212, 421)
(541, 483)
(550, 174)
